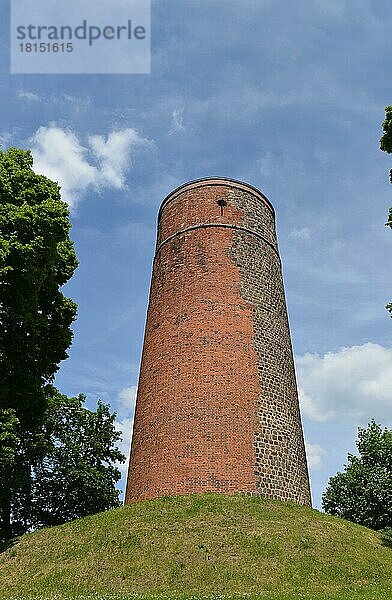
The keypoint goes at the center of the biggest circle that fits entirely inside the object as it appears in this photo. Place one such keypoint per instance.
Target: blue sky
(287, 96)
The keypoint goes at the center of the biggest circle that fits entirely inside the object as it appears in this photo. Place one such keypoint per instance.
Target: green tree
(56, 457)
(9, 439)
(36, 259)
(386, 140)
(363, 492)
(386, 146)
(76, 475)
(9, 446)
(64, 470)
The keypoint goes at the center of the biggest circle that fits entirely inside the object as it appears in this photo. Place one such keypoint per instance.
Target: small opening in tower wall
(222, 203)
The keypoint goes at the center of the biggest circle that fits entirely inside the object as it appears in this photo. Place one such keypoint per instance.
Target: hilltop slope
(201, 545)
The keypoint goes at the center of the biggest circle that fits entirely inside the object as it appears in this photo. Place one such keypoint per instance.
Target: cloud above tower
(102, 162)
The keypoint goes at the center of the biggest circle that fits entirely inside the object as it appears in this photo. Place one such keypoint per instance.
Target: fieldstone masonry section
(217, 406)
(281, 465)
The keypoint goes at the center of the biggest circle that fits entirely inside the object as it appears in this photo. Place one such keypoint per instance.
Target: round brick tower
(217, 406)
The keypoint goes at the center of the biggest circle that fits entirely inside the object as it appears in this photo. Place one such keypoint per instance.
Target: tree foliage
(386, 146)
(63, 470)
(363, 492)
(56, 456)
(386, 140)
(9, 445)
(76, 475)
(9, 439)
(36, 259)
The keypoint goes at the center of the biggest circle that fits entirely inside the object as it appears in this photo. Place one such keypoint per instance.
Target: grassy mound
(198, 546)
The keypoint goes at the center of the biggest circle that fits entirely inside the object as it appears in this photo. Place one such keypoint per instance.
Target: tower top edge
(208, 181)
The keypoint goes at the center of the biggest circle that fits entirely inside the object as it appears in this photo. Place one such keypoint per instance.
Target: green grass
(200, 546)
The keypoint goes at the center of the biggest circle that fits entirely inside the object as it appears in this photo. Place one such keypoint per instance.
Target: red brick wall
(198, 406)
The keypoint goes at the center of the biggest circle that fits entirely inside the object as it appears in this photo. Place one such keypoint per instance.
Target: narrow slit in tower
(221, 203)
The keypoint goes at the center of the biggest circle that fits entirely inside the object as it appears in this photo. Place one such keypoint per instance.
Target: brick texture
(217, 406)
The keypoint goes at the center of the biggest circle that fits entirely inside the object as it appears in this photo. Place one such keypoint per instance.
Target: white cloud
(59, 154)
(114, 155)
(125, 407)
(125, 427)
(177, 121)
(353, 383)
(30, 96)
(5, 139)
(125, 404)
(77, 102)
(300, 234)
(332, 8)
(315, 455)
